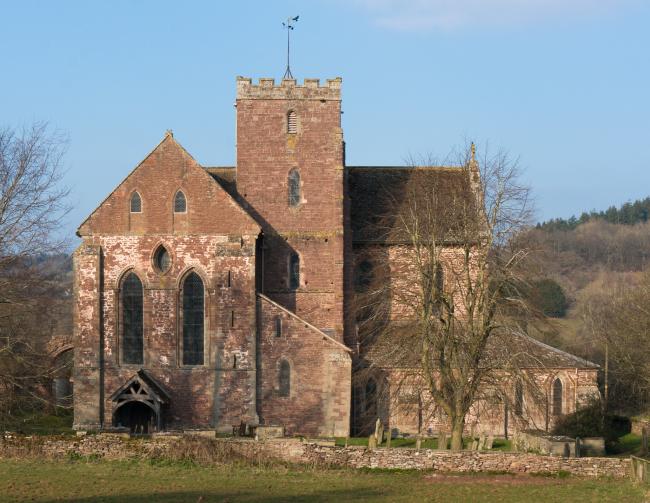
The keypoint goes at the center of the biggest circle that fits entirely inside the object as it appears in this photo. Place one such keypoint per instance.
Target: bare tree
(617, 324)
(33, 204)
(448, 282)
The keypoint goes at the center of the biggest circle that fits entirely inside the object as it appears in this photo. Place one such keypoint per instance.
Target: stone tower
(290, 175)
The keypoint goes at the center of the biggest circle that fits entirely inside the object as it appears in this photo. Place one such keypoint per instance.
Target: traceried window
(132, 320)
(519, 398)
(284, 379)
(292, 122)
(162, 259)
(557, 397)
(294, 187)
(193, 319)
(180, 203)
(136, 203)
(294, 271)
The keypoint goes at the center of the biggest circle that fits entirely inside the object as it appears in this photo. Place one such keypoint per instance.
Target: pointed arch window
(193, 302)
(519, 398)
(557, 397)
(284, 378)
(371, 397)
(292, 122)
(180, 202)
(136, 203)
(294, 271)
(364, 276)
(440, 278)
(294, 187)
(132, 320)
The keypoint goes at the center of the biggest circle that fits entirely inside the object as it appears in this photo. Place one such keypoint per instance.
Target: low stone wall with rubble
(209, 450)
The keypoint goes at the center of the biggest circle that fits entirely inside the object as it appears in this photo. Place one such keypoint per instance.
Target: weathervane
(289, 26)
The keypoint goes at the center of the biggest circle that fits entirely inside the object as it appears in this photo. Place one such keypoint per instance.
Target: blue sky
(562, 84)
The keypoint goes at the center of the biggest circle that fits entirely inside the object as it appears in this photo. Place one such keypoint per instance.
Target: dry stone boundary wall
(115, 447)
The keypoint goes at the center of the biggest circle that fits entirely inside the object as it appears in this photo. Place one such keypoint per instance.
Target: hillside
(598, 264)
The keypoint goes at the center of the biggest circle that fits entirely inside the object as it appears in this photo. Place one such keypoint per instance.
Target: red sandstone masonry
(215, 238)
(266, 153)
(318, 404)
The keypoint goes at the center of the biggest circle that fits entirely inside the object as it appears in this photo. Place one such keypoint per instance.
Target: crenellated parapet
(266, 89)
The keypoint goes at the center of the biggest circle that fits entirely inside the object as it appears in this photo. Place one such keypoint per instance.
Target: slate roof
(377, 194)
(390, 350)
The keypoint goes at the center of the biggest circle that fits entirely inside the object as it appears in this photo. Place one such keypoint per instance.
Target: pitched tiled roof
(378, 193)
(226, 176)
(398, 347)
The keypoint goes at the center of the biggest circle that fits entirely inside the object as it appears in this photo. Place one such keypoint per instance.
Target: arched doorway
(138, 417)
(139, 404)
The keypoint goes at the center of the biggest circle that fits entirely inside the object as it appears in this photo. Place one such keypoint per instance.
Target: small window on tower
(136, 203)
(294, 187)
(180, 203)
(292, 122)
(278, 326)
(294, 271)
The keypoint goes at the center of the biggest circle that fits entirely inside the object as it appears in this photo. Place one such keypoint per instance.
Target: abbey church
(207, 297)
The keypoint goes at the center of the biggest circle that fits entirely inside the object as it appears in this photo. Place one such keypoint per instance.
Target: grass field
(124, 482)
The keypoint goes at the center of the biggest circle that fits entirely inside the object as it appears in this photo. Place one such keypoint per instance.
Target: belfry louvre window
(193, 319)
(292, 122)
(136, 203)
(284, 379)
(132, 320)
(294, 271)
(180, 203)
(294, 187)
(557, 397)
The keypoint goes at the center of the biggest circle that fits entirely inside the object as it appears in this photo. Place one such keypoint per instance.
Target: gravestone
(490, 442)
(474, 446)
(481, 442)
(379, 431)
(418, 443)
(372, 442)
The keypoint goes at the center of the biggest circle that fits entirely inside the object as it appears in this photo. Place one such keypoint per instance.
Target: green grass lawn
(499, 444)
(124, 482)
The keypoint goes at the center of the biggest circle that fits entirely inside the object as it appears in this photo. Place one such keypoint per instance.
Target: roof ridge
(302, 320)
(441, 167)
(167, 135)
(559, 351)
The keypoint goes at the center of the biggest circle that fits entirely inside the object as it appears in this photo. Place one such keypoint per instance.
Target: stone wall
(215, 238)
(313, 229)
(296, 451)
(319, 391)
